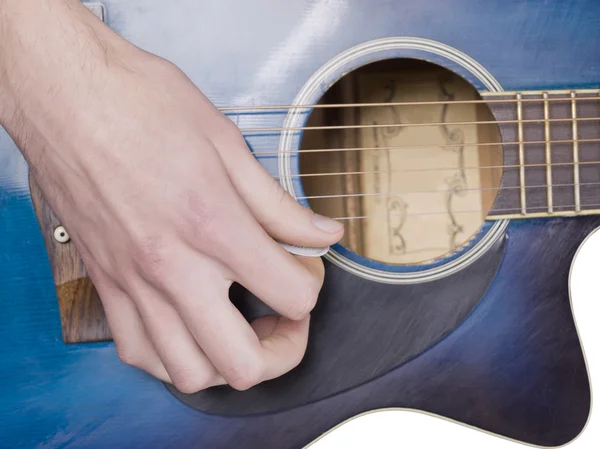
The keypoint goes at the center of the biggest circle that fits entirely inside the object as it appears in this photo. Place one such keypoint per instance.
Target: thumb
(282, 217)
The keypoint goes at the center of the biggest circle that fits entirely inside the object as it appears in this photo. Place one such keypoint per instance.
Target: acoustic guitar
(459, 142)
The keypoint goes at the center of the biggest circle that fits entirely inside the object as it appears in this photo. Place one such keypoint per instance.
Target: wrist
(47, 51)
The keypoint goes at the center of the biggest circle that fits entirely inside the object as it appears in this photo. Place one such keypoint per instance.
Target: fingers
(258, 263)
(283, 342)
(200, 296)
(281, 216)
(233, 346)
(130, 337)
(227, 232)
(287, 284)
(193, 336)
(223, 334)
(199, 338)
(186, 364)
(234, 238)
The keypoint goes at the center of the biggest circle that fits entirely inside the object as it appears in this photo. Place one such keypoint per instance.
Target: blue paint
(53, 395)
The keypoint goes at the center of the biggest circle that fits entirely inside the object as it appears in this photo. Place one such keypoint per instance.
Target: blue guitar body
(505, 356)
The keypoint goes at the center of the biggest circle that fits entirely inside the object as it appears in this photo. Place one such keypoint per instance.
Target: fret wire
(548, 154)
(521, 155)
(577, 190)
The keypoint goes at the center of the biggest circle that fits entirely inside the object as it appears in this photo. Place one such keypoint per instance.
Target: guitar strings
(261, 154)
(570, 100)
(491, 212)
(414, 125)
(412, 170)
(409, 103)
(456, 190)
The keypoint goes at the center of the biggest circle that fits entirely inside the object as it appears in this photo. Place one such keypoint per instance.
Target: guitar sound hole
(416, 190)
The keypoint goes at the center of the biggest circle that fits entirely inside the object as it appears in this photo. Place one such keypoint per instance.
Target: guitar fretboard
(551, 143)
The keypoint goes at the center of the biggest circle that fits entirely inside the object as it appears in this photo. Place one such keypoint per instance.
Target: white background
(392, 429)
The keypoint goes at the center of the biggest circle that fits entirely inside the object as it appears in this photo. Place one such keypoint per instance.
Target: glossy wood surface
(82, 316)
(514, 366)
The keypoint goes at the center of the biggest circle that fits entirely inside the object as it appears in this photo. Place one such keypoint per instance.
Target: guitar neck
(551, 145)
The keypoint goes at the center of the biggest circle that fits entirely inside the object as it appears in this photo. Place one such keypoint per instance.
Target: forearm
(47, 48)
(31, 47)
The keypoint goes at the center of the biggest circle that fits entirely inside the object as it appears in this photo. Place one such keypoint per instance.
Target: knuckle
(230, 130)
(243, 377)
(275, 199)
(233, 131)
(188, 382)
(127, 354)
(297, 356)
(171, 66)
(316, 274)
(295, 351)
(189, 386)
(200, 218)
(306, 299)
(228, 133)
(231, 135)
(149, 255)
(277, 195)
(165, 66)
(269, 207)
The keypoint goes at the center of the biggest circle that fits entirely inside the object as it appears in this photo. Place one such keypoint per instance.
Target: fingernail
(327, 224)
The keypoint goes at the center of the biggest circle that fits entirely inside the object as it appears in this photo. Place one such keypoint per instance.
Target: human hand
(163, 200)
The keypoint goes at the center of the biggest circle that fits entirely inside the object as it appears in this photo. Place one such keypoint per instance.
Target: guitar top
(467, 174)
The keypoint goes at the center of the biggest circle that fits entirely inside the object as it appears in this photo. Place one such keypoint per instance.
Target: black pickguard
(360, 330)
(493, 346)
